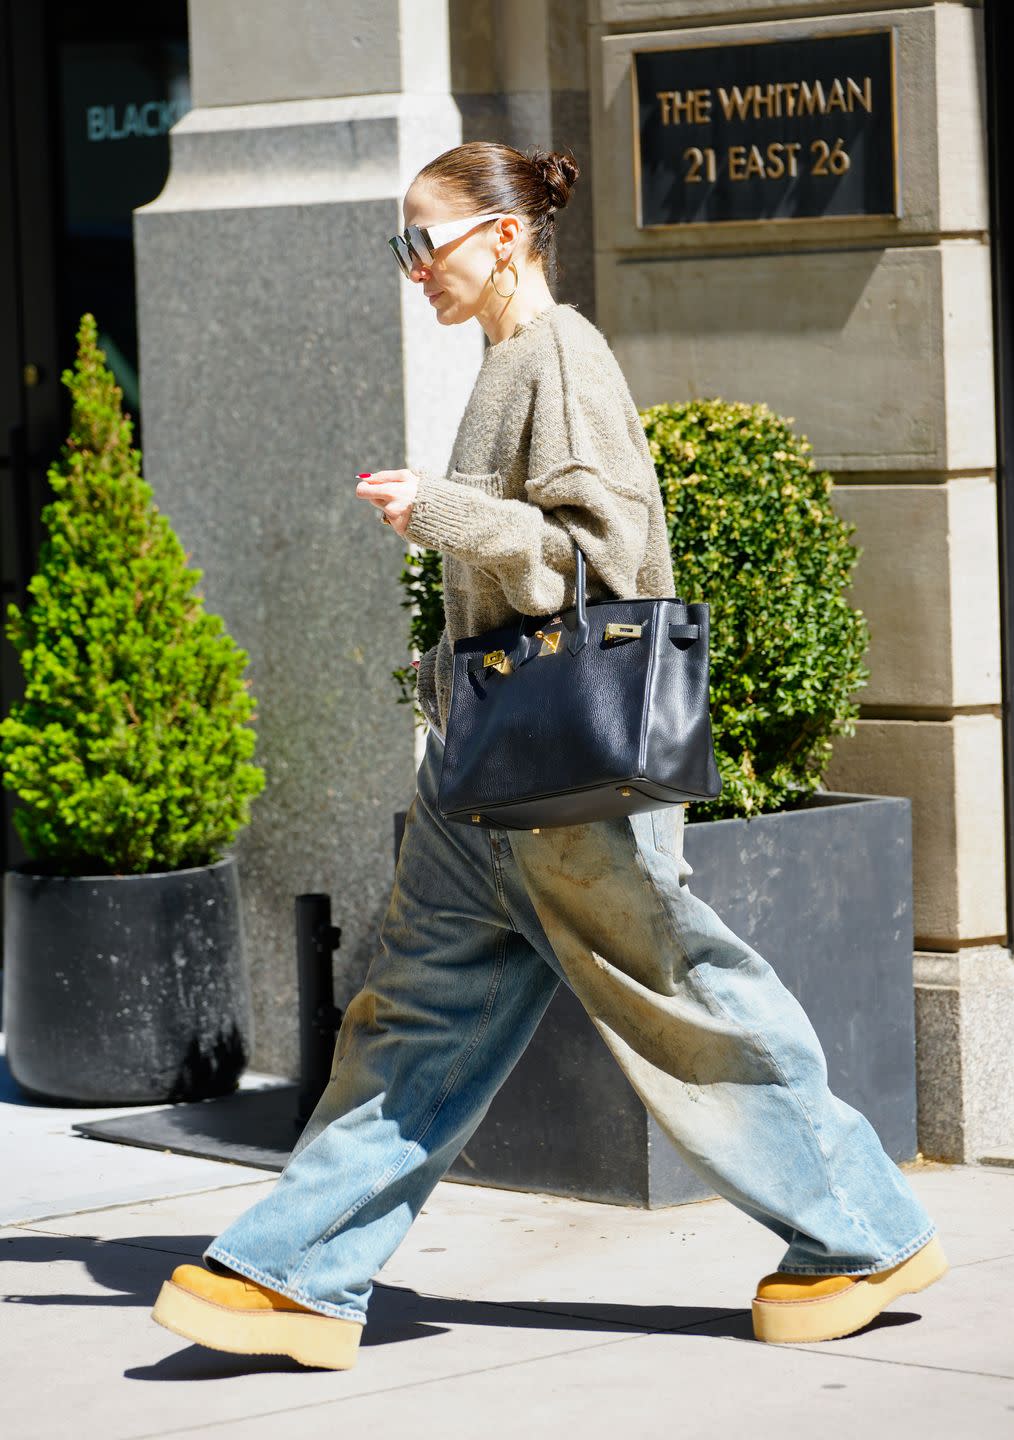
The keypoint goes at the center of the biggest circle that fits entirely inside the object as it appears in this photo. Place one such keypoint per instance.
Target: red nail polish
(365, 475)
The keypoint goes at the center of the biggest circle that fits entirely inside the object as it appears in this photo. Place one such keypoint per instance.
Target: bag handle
(524, 648)
(579, 636)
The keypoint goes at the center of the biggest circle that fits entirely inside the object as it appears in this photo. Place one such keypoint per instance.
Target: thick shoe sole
(323, 1341)
(829, 1318)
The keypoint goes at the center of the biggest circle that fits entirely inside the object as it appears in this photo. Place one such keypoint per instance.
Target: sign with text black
(770, 130)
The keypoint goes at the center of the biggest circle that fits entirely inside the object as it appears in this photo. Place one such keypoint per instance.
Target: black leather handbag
(599, 711)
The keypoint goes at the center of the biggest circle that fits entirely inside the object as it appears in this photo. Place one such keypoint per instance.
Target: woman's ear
(508, 229)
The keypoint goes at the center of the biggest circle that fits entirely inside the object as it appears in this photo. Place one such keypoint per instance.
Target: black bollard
(319, 1017)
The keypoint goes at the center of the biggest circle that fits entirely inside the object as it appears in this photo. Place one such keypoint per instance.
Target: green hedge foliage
(753, 533)
(131, 751)
(423, 581)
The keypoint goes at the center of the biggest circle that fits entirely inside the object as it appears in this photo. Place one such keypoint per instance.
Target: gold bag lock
(498, 660)
(622, 632)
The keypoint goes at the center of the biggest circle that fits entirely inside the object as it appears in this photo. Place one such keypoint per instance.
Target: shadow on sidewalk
(132, 1268)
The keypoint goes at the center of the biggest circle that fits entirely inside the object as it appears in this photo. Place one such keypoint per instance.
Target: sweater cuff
(426, 686)
(440, 513)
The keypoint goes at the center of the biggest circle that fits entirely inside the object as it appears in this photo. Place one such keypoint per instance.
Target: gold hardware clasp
(498, 660)
(476, 819)
(622, 632)
(625, 790)
(550, 641)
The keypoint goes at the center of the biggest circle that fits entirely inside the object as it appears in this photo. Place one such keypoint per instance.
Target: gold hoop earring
(492, 281)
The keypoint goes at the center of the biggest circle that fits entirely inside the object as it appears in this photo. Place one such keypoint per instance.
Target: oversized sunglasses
(419, 243)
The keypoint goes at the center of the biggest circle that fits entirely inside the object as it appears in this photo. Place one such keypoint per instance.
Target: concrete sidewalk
(502, 1315)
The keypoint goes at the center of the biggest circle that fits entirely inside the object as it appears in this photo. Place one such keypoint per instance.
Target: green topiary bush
(753, 533)
(131, 750)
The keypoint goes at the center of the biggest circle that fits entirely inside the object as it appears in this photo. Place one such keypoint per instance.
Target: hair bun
(558, 171)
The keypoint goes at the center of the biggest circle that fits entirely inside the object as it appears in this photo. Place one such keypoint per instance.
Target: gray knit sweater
(550, 450)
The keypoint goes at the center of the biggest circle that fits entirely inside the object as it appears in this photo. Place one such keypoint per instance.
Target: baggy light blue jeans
(481, 927)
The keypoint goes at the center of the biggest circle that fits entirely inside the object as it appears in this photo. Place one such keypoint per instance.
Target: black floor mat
(252, 1127)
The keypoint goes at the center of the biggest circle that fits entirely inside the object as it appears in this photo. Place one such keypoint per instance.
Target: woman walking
(483, 923)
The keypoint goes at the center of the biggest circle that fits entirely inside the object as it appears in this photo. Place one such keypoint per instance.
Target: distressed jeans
(481, 927)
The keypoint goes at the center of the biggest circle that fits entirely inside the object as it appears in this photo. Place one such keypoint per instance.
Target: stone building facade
(281, 352)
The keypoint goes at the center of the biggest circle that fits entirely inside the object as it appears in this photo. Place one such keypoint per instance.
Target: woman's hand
(392, 492)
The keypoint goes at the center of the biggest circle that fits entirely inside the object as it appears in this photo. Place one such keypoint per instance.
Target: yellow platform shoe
(798, 1308)
(227, 1312)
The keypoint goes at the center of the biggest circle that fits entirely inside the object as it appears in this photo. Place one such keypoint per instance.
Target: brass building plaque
(765, 130)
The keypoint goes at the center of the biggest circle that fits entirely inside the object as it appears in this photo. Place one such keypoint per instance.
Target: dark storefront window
(118, 100)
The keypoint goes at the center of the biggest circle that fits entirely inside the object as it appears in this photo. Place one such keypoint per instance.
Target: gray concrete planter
(125, 989)
(824, 893)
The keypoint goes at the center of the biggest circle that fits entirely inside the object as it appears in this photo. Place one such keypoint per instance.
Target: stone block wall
(875, 335)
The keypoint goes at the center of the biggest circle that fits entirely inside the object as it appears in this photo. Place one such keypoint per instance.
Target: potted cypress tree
(818, 883)
(124, 972)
